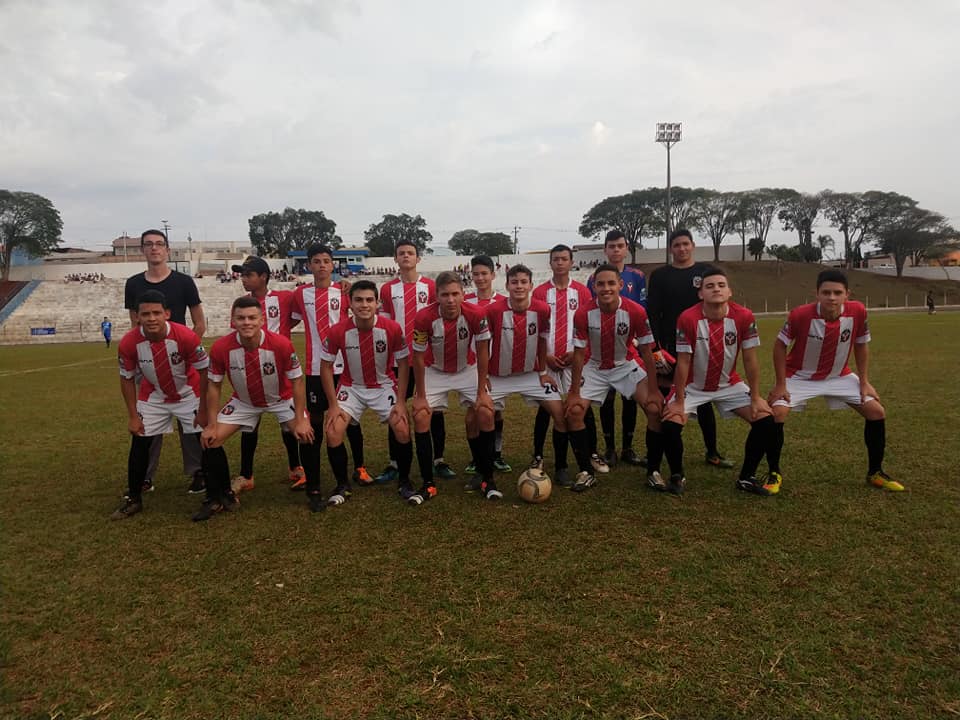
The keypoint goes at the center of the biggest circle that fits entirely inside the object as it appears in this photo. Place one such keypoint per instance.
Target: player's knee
(873, 410)
(780, 413)
(402, 431)
(421, 420)
(484, 418)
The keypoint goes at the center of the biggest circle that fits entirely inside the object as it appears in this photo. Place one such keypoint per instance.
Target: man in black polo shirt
(181, 294)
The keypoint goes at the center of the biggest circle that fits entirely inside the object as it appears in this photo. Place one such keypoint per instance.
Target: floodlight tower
(668, 134)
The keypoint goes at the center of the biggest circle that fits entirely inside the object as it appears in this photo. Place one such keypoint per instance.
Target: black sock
(310, 455)
(776, 448)
(484, 453)
(579, 441)
(292, 445)
(217, 469)
(590, 423)
(607, 422)
(560, 443)
(875, 436)
(392, 445)
(137, 462)
(673, 446)
(338, 463)
(498, 436)
(425, 456)
(438, 429)
(248, 448)
(629, 419)
(654, 450)
(404, 461)
(708, 426)
(355, 438)
(758, 440)
(540, 426)
(472, 442)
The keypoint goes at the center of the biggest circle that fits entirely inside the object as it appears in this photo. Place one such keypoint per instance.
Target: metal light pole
(668, 134)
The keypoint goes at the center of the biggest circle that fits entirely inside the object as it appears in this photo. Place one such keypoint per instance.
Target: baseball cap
(252, 264)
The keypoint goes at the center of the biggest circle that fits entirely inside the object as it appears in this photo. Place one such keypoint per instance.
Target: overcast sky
(474, 114)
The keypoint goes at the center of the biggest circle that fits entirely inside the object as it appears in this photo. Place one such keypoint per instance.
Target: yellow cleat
(884, 482)
(773, 482)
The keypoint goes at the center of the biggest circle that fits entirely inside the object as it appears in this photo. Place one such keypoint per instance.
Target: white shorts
(526, 385)
(440, 384)
(353, 400)
(237, 412)
(563, 378)
(727, 400)
(158, 417)
(624, 378)
(839, 392)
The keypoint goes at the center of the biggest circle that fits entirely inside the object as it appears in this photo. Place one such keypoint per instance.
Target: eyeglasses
(147, 245)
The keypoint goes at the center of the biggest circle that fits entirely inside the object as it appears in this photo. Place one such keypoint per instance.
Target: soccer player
(265, 373)
(607, 330)
(106, 329)
(674, 288)
(181, 294)
(400, 300)
(519, 328)
(811, 358)
(635, 289)
(483, 273)
(710, 336)
(564, 297)
(277, 308)
(444, 336)
(172, 365)
(371, 345)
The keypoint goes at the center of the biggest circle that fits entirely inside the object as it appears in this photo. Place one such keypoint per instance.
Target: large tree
(28, 222)
(842, 211)
(685, 205)
(759, 207)
(638, 214)
(716, 212)
(473, 242)
(382, 237)
(907, 231)
(799, 211)
(276, 234)
(756, 246)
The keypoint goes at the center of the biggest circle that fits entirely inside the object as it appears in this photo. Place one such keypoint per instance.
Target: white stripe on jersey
(814, 347)
(506, 342)
(335, 300)
(356, 362)
(271, 304)
(701, 354)
(178, 371)
(238, 377)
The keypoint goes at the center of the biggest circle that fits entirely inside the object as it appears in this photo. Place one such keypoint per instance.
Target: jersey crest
(532, 329)
(730, 338)
(622, 328)
(269, 368)
(175, 358)
(381, 346)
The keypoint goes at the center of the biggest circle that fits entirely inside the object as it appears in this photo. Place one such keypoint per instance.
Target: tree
(907, 231)
(799, 211)
(381, 238)
(824, 243)
(716, 212)
(785, 253)
(685, 204)
(842, 211)
(637, 214)
(276, 234)
(472, 242)
(761, 206)
(756, 248)
(28, 222)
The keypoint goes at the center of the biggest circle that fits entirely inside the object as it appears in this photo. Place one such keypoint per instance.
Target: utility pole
(516, 242)
(166, 230)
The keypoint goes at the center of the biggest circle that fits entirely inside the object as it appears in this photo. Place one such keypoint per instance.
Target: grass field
(829, 600)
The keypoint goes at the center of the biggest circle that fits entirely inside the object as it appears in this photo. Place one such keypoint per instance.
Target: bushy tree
(473, 242)
(637, 214)
(276, 234)
(382, 237)
(28, 222)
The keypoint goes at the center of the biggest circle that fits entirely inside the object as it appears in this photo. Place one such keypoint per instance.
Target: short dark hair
(517, 269)
(151, 296)
(832, 275)
(484, 261)
(606, 267)
(613, 235)
(679, 232)
(560, 248)
(405, 241)
(154, 231)
(245, 301)
(363, 285)
(712, 270)
(447, 277)
(319, 249)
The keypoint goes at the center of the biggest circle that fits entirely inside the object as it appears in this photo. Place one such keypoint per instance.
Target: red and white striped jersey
(821, 348)
(715, 344)
(169, 366)
(514, 336)
(448, 344)
(260, 377)
(472, 298)
(608, 336)
(368, 355)
(320, 309)
(401, 301)
(277, 306)
(563, 304)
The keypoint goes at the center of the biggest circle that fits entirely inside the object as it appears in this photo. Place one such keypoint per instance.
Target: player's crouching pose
(710, 335)
(173, 366)
(820, 337)
(444, 361)
(265, 373)
(604, 332)
(371, 345)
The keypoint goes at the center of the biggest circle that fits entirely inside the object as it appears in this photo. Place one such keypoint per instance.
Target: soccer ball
(534, 486)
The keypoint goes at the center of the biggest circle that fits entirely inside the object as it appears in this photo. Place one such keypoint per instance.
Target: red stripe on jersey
(161, 364)
(828, 352)
(409, 308)
(517, 360)
(715, 330)
(253, 372)
(608, 339)
(367, 357)
(450, 349)
(559, 325)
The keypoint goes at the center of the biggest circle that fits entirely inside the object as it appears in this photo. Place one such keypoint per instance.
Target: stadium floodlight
(668, 134)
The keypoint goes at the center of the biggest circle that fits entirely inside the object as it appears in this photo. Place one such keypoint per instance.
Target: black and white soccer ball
(534, 486)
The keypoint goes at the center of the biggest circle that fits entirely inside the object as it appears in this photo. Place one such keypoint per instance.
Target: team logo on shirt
(273, 311)
(622, 328)
(342, 396)
(629, 287)
(462, 333)
(227, 409)
(175, 358)
(572, 303)
(845, 335)
(334, 303)
(381, 346)
(730, 338)
(532, 329)
(483, 324)
(697, 280)
(422, 297)
(269, 368)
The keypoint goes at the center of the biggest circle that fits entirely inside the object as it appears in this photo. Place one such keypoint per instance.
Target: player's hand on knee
(654, 404)
(208, 438)
(303, 430)
(868, 391)
(759, 408)
(779, 392)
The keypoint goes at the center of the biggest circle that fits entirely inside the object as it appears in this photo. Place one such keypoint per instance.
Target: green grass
(830, 600)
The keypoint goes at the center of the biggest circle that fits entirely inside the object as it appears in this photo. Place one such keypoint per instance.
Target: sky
(483, 115)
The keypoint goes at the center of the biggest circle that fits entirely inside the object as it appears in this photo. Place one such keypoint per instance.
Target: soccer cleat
(297, 478)
(883, 481)
(442, 470)
(198, 484)
(752, 485)
(717, 461)
(655, 481)
(501, 465)
(229, 501)
(147, 486)
(610, 457)
(561, 477)
(584, 482)
(339, 496)
(241, 484)
(599, 464)
(388, 476)
(209, 508)
(362, 477)
(489, 490)
(630, 456)
(406, 490)
(536, 463)
(422, 495)
(128, 507)
(315, 502)
(474, 484)
(471, 468)
(773, 482)
(676, 484)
